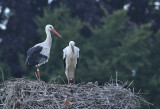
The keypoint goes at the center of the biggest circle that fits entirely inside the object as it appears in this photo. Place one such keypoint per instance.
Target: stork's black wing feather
(34, 56)
(64, 62)
(35, 59)
(77, 62)
(33, 50)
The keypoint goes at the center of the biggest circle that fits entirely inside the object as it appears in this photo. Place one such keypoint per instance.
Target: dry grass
(27, 94)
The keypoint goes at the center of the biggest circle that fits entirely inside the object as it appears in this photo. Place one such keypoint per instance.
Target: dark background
(113, 35)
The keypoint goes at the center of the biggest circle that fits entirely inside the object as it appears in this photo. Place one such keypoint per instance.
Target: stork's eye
(50, 27)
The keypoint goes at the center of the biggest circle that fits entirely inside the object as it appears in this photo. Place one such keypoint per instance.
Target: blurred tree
(143, 11)
(138, 11)
(118, 48)
(152, 83)
(86, 10)
(116, 4)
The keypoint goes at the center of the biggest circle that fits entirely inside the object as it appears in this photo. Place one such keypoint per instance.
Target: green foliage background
(113, 46)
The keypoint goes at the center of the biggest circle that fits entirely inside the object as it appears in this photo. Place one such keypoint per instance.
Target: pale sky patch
(50, 1)
(157, 5)
(126, 6)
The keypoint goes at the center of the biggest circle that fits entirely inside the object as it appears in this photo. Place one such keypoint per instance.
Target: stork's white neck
(48, 41)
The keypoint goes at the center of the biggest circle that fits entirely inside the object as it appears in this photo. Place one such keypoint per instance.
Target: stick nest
(26, 94)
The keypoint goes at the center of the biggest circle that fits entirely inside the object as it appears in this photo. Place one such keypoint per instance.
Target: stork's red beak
(55, 32)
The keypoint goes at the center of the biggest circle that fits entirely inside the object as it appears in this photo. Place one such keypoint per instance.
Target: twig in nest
(57, 78)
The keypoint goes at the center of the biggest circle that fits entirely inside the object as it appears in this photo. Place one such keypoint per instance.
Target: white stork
(70, 56)
(39, 54)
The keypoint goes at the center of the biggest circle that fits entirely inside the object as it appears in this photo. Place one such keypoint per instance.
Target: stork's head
(71, 44)
(51, 28)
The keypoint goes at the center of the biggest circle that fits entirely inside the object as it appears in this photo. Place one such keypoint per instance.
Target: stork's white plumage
(70, 56)
(39, 54)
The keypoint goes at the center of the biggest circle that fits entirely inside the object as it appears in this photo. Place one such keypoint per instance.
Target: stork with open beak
(70, 56)
(39, 54)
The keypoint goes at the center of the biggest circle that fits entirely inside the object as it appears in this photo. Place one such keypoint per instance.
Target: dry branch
(26, 94)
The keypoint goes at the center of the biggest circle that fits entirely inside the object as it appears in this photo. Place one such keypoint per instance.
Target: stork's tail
(27, 62)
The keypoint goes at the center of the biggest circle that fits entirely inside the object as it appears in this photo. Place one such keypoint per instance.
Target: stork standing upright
(39, 54)
(70, 56)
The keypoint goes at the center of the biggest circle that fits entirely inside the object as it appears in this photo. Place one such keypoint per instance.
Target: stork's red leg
(38, 72)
